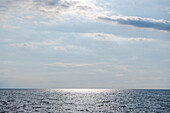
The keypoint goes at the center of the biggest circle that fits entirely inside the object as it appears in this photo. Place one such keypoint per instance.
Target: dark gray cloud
(48, 2)
(139, 22)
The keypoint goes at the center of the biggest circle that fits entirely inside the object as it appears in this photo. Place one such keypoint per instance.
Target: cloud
(134, 58)
(167, 60)
(59, 48)
(23, 45)
(69, 64)
(33, 45)
(10, 27)
(102, 67)
(111, 37)
(110, 66)
(77, 48)
(139, 22)
(122, 68)
(50, 9)
(59, 10)
(6, 62)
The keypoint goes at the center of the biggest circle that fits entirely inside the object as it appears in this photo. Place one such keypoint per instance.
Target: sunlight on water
(84, 90)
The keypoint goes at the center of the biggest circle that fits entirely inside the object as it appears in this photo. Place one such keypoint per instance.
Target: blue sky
(84, 44)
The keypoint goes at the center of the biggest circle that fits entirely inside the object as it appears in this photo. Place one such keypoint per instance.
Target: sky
(120, 44)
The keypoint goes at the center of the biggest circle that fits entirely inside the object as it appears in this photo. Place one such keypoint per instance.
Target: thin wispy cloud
(33, 45)
(139, 22)
(122, 68)
(96, 66)
(6, 62)
(60, 48)
(68, 64)
(111, 37)
(23, 45)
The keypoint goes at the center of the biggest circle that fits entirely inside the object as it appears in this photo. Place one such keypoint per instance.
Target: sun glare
(83, 90)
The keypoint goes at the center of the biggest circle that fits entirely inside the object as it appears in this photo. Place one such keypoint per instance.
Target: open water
(84, 100)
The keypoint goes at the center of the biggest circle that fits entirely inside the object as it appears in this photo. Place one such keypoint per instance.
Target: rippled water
(84, 100)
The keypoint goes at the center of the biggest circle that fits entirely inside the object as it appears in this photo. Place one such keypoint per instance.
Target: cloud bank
(59, 10)
(139, 22)
(50, 8)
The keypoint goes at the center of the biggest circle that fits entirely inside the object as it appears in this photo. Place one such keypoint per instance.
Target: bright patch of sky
(84, 44)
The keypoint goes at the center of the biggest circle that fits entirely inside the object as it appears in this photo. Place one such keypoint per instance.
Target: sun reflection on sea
(84, 90)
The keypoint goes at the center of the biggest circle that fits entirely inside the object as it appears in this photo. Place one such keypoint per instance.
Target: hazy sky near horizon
(84, 44)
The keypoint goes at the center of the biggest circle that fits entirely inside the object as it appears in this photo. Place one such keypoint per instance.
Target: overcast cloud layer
(63, 9)
(84, 44)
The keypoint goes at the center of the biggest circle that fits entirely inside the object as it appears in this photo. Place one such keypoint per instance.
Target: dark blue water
(84, 100)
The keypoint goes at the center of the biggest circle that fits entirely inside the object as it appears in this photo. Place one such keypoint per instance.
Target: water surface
(84, 100)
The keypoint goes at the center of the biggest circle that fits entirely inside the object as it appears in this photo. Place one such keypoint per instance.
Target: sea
(84, 101)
